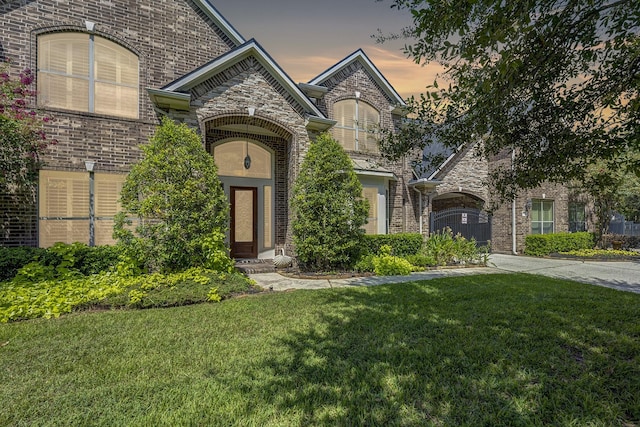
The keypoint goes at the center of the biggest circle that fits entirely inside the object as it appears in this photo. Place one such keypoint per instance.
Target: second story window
(357, 125)
(84, 72)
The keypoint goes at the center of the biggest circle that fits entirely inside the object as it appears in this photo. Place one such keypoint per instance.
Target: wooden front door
(244, 222)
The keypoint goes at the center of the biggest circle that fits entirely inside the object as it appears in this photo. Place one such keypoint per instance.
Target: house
(107, 72)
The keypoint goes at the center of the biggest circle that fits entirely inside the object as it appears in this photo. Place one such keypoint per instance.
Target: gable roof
(373, 71)
(175, 93)
(207, 8)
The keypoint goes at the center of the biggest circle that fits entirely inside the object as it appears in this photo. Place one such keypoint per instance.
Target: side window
(357, 124)
(83, 72)
(577, 217)
(542, 216)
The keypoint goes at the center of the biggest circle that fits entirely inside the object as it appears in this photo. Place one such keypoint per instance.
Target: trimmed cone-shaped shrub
(182, 212)
(329, 211)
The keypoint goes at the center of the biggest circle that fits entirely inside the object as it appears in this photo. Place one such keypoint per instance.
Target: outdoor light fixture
(247, 159)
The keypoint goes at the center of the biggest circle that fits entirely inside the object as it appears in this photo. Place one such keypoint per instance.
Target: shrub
(389, 265)
(52, 262)
(176, 194)
(12, 259)
(403, 244)
(329, 211)
(545, 244)
(444, 248)
(422, 260)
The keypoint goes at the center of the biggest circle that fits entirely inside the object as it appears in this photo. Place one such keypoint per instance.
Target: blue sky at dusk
(306, 37)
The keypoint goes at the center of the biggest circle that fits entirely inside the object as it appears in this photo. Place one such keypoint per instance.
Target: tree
(176, 196)
(555, 81)
(22, 139)
(329, 211)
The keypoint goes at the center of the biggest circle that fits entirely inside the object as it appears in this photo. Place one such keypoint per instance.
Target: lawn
(481, 350)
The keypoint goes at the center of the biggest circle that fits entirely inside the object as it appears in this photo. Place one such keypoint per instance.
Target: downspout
(514, 248)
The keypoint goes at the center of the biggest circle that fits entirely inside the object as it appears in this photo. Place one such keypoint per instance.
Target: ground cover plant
(481, 350)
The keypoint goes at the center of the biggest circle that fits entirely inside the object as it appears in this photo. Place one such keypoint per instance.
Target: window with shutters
(64, 206)
(371, 194)
(84, 72)
(357, 125)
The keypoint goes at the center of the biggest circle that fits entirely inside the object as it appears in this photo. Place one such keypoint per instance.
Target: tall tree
(555, 81)
(329, 211)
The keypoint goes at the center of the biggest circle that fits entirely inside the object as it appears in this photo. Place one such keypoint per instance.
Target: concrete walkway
(621, 275)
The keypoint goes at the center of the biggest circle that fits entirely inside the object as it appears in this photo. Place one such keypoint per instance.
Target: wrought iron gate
(470, 223)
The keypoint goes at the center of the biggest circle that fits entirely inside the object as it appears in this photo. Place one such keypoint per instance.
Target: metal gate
(470, 223)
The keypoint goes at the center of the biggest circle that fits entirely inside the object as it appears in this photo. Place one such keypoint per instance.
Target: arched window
(357, 124)
(84, 72)
(242, 159)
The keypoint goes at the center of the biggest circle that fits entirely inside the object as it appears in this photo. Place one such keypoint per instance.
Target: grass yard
(483, 350)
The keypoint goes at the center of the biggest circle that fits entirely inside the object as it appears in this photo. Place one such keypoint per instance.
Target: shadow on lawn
(496, 353)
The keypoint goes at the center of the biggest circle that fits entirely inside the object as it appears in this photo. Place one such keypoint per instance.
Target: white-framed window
(542, 214)
(85, 72)
(357, 125)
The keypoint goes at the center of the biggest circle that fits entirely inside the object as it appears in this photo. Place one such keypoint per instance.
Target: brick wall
(170, 38)
(343, 85)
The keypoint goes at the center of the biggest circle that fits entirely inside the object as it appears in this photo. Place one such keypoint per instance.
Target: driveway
(621, 275)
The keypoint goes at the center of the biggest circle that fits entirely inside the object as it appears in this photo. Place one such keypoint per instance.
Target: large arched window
(84, 72)
(242, 159)
(357, 124)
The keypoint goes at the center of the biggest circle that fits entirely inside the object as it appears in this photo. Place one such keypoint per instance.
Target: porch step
(255, 266)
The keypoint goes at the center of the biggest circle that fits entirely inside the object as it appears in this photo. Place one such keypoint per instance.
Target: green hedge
(12, 259)
(402, 244)
(78, 256)
(545, 244)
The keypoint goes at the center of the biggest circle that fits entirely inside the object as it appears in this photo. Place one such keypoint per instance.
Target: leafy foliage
(545, 244)
(402, 244)
(444, 248)
(77, 257)
(386, 264)
(329, 211)
(557, 82)
(601, 253)
(176, 196)
(22, 139)
(47, 296)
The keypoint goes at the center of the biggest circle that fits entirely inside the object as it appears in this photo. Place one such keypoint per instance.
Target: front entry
(244, 220)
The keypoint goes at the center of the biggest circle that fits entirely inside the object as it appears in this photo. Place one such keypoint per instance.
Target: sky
(306, 37)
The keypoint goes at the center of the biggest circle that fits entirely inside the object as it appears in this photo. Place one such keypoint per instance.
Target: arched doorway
(252, 156)
(463, 214)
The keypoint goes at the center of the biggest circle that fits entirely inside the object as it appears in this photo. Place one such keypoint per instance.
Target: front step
(255, 266)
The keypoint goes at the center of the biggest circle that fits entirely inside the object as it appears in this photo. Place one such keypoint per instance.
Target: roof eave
(232, 57)
(424, 184)
(318, 124)
(166, 100)
(209, 10)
